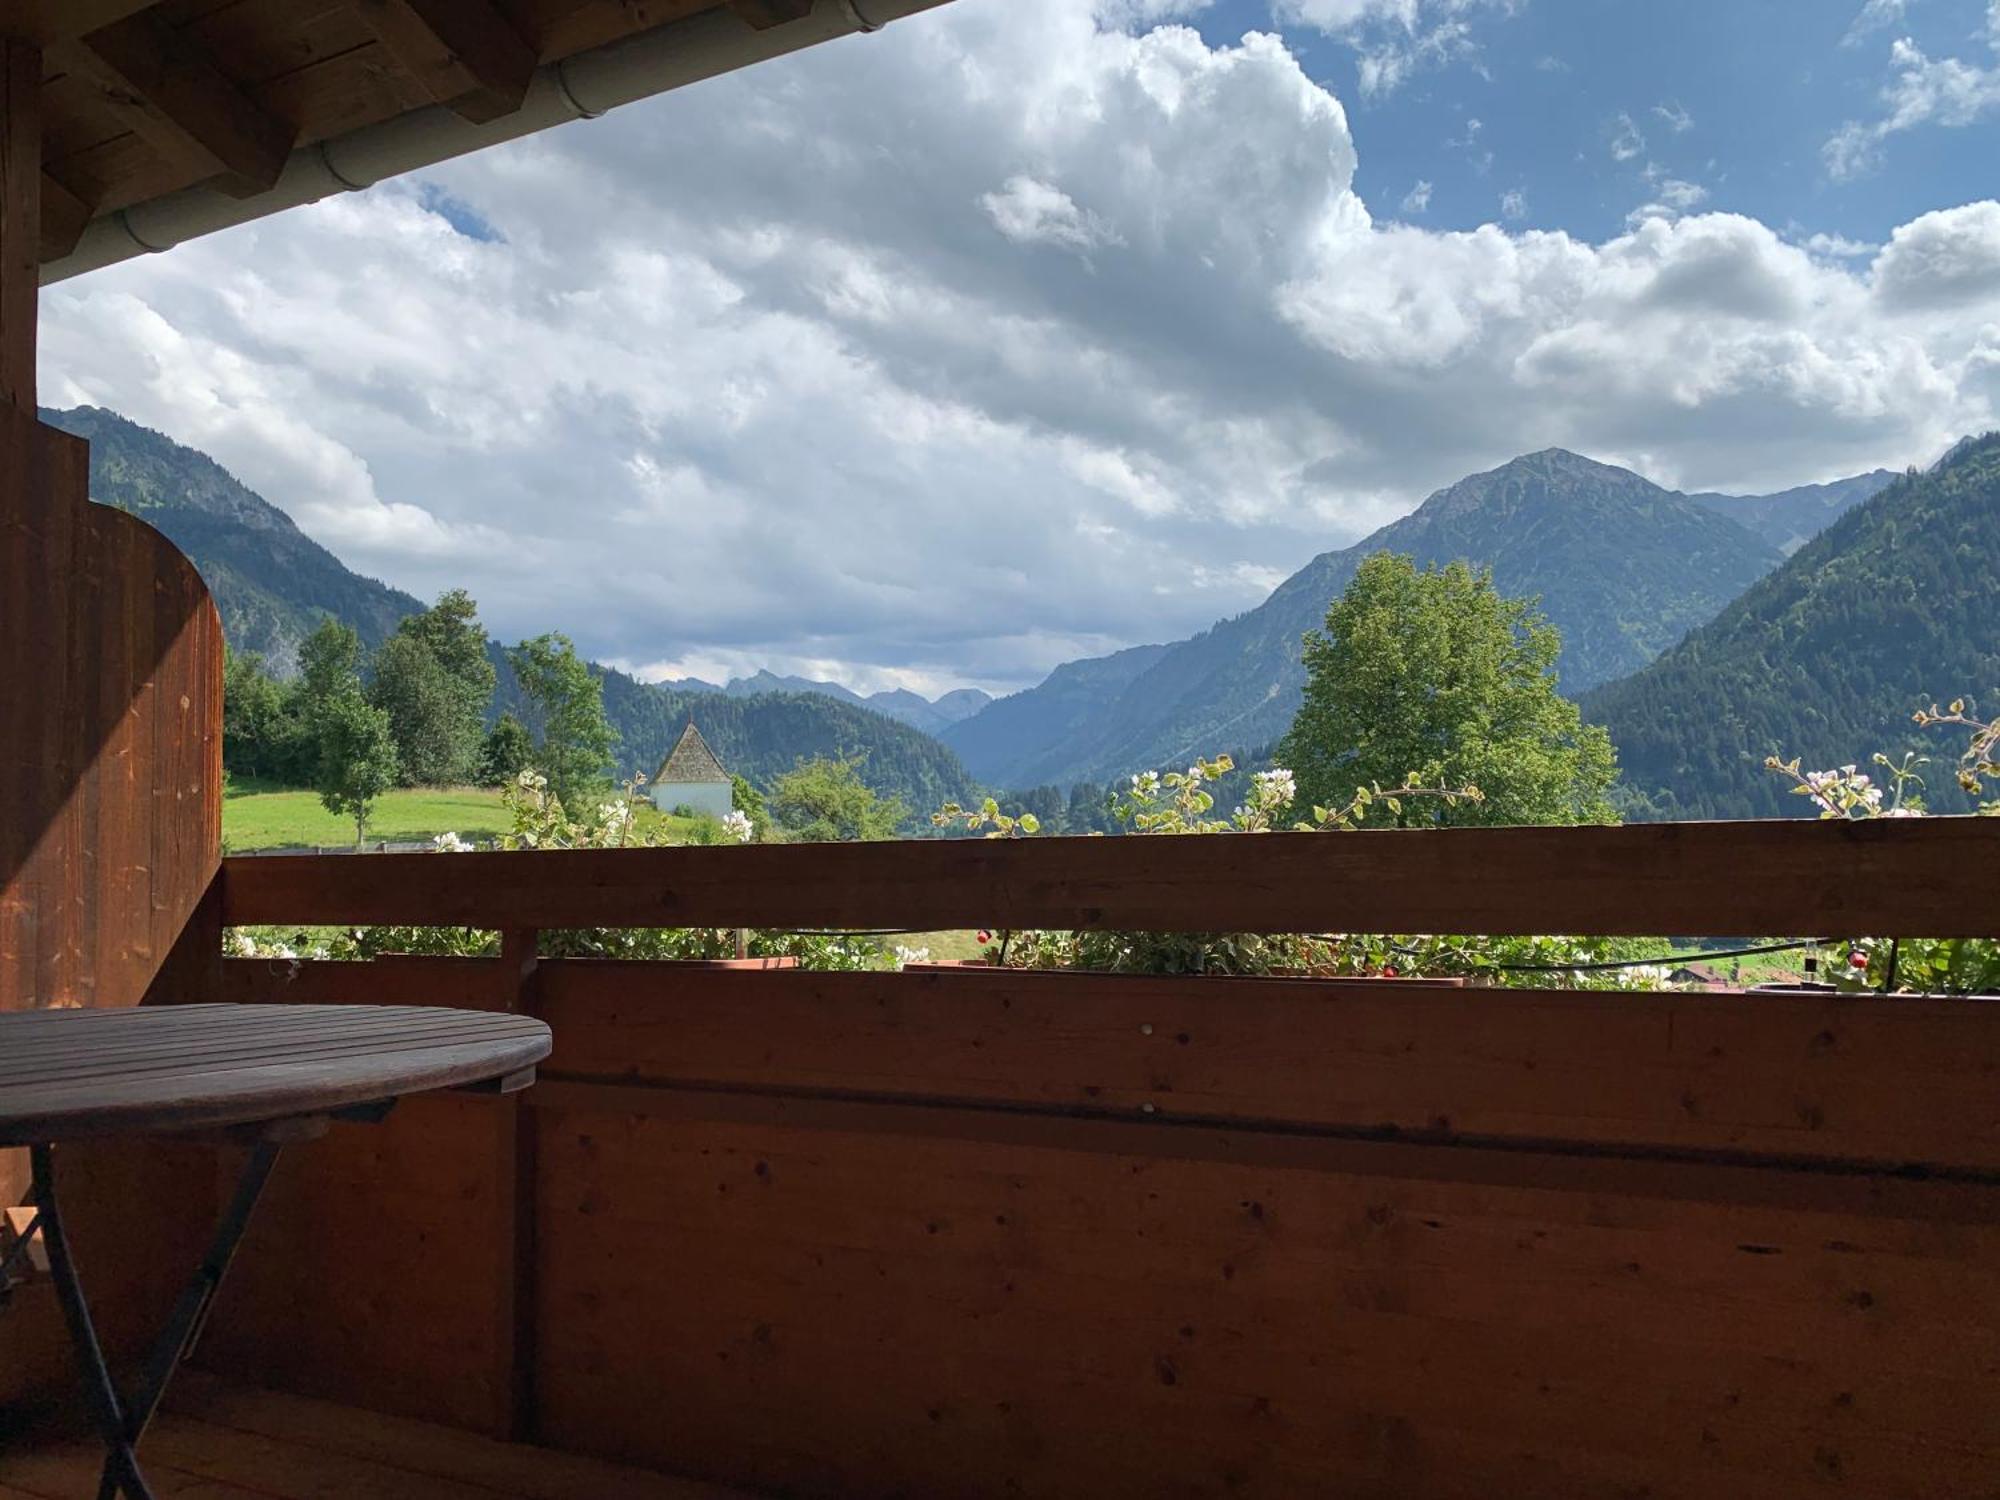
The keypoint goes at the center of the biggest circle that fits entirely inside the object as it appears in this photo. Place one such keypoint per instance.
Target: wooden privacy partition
(110, 729)
(977, 1233)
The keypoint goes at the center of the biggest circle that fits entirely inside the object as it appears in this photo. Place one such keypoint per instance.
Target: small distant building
(692, 777)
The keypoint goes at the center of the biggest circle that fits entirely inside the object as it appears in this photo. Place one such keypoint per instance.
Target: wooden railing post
(514, 1386)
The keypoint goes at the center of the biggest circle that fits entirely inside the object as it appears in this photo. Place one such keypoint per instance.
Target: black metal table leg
(121, 1424)
(99, 1393)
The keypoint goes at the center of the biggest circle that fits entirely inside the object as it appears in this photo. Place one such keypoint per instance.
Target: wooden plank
(397, 979)
(371, 1271)
(1902, 877)
(464, 53)
(64, 216)
(20, 219)
(172, 94)
(1801, 1077)
(862, 1312)
(515, 1147)
(307, 1427)
(47, 21)
(1747, 1183)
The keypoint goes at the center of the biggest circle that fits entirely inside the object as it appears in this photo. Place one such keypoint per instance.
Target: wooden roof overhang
(160, 119)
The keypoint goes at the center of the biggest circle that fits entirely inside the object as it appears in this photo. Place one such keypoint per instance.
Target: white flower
(1277, 786)
(450, 843)
(906, 956)
(737, 825)
(1902, 812)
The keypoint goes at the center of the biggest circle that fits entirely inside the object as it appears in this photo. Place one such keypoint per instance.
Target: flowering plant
(1182, 802)
(539, 820)
(1952, 966)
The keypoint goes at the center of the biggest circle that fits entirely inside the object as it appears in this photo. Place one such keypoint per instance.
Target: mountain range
(273, 585)
(1892, 608)
(1705, 630)
(1623, 567)
(931, 715)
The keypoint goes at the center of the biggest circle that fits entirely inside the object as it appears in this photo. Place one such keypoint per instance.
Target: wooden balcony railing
(1903, 877)
(980, 1232)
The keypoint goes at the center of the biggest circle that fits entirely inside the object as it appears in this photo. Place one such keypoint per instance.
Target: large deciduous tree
(565, 710)
(357, 759)
(824, 800)
(1437, 673)
(434, 680)
(329, 668)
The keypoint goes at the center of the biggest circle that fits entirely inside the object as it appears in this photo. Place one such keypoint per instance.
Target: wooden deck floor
(218, 1442)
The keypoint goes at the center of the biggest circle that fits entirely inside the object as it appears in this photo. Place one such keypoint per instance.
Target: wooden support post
(514, 1342)
(20, 218)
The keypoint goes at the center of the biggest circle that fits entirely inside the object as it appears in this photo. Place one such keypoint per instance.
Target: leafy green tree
(414, 692)
(507, 751)
(747, 800)
(329, 667)
(824, 800)
(357, 758)
(1089, 809)
(565, 702)
(457, 680)
(261, 736)
(1436, 674)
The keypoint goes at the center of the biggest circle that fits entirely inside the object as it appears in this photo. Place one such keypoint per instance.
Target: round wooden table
(272, 1072)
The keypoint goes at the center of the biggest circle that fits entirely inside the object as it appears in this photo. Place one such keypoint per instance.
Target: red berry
(1388, 971)
(1857, 960)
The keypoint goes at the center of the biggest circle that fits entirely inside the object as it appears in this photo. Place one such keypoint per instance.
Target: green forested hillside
(1895, 605)
(1791, 518)
(271, 582)
(1623, 569)
(1013, 737)
(273, 585)
(763, 735)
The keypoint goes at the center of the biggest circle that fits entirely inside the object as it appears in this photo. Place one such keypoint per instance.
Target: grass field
(258, 818)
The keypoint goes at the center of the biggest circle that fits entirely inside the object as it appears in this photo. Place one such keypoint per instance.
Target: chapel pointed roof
(690, 760)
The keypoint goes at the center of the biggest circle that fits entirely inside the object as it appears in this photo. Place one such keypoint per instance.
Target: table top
(72, 1074)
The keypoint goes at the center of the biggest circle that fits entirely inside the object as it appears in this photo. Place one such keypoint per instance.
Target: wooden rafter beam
(46, 22)
(171, 93)
(463, 53)
(20, 219)
(764, 14)
(64, 216)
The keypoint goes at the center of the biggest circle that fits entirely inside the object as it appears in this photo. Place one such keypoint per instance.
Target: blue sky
(1738, 97)
(1025, 330)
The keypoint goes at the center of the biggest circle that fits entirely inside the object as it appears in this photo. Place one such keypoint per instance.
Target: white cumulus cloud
(1004, 337)
(1921, 90)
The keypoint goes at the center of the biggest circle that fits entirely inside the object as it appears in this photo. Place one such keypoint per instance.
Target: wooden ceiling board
(563, 28)
(212, 89)
(360, 87)
(74, 118)
(170, 90)
(256, 41)
(117, 173)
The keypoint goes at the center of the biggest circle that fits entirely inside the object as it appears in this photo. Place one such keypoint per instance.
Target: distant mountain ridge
(1890, 609)
(1623, 567)
(1791, 518)
(930, 715)
(273, 585)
